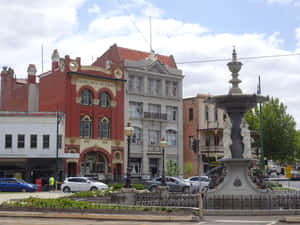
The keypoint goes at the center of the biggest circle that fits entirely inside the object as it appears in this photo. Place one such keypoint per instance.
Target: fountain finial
(234, 67)
(233, 55)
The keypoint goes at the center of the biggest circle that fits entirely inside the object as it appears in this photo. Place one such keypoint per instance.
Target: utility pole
(262, 161)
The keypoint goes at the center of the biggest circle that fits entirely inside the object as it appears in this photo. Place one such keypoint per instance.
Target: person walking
(51, 183)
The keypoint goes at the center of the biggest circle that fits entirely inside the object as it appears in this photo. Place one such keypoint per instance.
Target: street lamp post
(199, 171)
(262, 163)
(163, 145)
(58, 141)
(128, 133)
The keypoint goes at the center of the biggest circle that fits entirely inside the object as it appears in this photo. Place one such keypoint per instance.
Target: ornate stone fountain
(237, 151)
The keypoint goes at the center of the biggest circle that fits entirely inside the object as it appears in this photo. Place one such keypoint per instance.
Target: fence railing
(226, 202)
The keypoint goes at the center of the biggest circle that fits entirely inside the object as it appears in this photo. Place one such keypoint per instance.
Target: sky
(190, 30)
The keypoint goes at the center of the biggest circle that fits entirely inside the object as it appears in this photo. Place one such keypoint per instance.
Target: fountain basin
(237, 180)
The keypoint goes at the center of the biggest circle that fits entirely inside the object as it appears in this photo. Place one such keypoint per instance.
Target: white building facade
(29, 148)
(154, 108)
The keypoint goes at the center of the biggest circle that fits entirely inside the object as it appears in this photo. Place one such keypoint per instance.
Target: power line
(241, 58)
(132, 21)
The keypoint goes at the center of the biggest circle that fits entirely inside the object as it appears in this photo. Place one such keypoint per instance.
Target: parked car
(14, 184)
(195, 181)
(72, 184)
(174, 183)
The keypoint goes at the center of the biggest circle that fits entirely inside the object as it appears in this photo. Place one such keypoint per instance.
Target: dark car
(175, 184)
(14, 184)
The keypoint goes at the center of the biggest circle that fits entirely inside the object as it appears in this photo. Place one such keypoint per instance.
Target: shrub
(138, 186)
(116, 186)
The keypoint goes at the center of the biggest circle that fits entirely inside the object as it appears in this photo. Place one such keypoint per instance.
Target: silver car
(195, 181)
(72, 184)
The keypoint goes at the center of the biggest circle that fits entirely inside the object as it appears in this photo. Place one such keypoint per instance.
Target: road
(269, 220)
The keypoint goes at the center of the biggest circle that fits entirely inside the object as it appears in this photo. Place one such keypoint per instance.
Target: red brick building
(92, 99)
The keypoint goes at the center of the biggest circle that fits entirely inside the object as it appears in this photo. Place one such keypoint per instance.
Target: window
(33, 141)
(191, 141)
(137, 135)
(135, 84)
(154, 108)
(59, 141)
(207, 140)
(154, 137)
(171, 88)
(216, 114)
(135, 109)
(8, 141)
(154, 87)
(172, 113)
(21, 140)
(216, 140)
(191, 114)
(206, 112)
(171, 137)
(104, 100)
(135, 165)
(86, 126)
(46, 141)
(104, 127)
(86, 97)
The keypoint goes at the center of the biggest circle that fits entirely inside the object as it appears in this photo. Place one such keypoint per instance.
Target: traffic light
(194, 145)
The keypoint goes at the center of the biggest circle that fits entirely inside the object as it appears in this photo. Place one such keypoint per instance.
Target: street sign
(288, 171)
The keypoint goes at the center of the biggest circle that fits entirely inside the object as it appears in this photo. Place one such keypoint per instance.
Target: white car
(195, 181)
(72, 184)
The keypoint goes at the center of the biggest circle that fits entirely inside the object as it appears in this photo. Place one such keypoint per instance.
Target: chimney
(31, 74)
(55, 60)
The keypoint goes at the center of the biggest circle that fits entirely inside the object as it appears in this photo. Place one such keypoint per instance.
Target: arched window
(86, 125)
(104, 100)
(104, 127)
(206, 113)
(216, 113)
(86, 97)
(171, 137)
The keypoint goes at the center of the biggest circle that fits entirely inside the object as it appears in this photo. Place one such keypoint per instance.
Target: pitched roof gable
(135, 55)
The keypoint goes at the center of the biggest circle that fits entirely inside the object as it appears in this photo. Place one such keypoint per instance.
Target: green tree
(172, 168)
(280, 139)
(188, 169)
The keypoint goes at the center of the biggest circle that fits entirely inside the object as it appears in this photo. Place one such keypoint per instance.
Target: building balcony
(156, 116)
(212, 149)
(154, 149)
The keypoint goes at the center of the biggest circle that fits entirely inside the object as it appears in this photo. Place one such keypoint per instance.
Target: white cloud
(20, 45)
(95, 9)
(285, 2)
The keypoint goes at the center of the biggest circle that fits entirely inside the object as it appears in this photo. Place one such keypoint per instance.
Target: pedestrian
(51, 183)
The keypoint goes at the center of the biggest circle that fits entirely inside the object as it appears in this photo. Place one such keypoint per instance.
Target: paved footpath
(11, 196)
(219, 220)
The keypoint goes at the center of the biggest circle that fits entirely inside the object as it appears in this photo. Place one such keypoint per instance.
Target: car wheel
(23, 190)
(66, 190)
(153, 189)
(94, 189)
(186, 190)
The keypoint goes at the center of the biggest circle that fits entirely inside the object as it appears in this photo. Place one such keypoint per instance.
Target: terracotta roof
(135, 55)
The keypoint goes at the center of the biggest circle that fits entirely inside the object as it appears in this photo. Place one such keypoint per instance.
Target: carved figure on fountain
(227, 142)
(245, 133)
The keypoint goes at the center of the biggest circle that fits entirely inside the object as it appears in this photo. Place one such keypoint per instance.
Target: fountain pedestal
(236, 104)
(237, 180)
